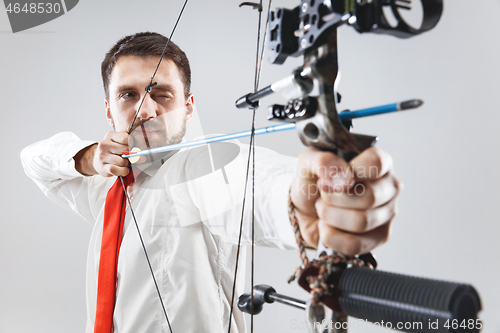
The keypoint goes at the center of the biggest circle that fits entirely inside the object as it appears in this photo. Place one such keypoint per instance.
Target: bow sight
(310, 30)
(296, 32)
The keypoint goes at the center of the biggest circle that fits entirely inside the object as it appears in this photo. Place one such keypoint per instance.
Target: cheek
(121, 118)
(120, 123)
(174, 118)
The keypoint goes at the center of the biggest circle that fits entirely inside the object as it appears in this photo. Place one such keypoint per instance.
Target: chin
(151, 141)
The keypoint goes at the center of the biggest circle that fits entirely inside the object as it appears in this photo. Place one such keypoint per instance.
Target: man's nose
(148, 109)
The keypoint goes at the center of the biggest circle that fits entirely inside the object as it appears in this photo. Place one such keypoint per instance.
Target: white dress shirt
(188, 209)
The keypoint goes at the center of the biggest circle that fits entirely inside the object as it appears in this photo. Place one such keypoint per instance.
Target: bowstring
(251, 156)
(151, 84)
(148, 90)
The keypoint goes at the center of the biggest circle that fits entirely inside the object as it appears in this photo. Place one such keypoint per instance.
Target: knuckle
(361, 222)
(320, 209)
(329, 164)
(108, 135)
(130, 141)
(310, 235)
(385, 236)
(113, 169)
(368, 198)
(376, 166)
(124, 138)
(99, 156)
(323, 158)
(398, 185)
(352, 246)
(321, 165)
(393, 212)
(122, 162)
(376, 161)
(106, 171)
(384, 157)
(118, 171)
(103, 146)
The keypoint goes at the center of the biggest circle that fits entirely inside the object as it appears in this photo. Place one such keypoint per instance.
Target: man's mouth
(149, 132)
(148, 135)
(146, 130)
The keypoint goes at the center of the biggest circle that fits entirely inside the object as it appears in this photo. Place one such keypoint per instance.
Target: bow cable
(251, 155)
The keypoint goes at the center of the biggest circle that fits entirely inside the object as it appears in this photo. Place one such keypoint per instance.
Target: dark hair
(145, 44)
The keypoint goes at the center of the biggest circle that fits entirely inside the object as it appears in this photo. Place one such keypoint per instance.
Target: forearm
(84, 161)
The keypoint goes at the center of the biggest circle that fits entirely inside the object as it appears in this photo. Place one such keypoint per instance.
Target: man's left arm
(347, 206)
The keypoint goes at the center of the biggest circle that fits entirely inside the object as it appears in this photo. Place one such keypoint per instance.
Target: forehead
(132, 70)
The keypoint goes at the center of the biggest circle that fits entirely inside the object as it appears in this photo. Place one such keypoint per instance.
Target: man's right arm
(49, 161)
(59, 165)
(50, 164)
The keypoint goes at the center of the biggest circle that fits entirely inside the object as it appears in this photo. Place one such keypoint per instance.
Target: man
(189, 219)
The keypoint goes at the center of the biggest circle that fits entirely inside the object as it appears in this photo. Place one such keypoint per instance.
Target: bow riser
(324, 130)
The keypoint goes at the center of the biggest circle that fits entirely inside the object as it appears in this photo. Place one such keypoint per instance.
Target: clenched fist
(104, 157)
(348, 206)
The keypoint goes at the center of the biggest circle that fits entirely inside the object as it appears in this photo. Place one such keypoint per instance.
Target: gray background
(446, 152)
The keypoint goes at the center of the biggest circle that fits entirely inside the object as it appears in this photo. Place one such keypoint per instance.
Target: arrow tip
(410, 104)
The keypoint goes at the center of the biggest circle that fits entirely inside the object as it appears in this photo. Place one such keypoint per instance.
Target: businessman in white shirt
(191, 242)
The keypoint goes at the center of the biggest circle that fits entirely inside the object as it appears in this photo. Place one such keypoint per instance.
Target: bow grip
(402, 302)
(409, 303)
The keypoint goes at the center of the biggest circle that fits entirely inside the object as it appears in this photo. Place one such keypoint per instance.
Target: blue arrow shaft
(344, 116)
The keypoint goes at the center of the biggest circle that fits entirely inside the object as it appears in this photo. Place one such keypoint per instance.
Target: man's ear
(189, 107)
(108, 113)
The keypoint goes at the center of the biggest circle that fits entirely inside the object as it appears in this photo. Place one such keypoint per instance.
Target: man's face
(163, 115)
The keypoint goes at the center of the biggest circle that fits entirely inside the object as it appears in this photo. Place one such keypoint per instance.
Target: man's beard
(157, 137)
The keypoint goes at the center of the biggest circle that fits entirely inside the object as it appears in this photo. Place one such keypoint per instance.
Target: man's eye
(162, 96)
(128, 95)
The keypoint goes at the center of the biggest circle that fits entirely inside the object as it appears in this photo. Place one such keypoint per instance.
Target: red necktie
(114, 215)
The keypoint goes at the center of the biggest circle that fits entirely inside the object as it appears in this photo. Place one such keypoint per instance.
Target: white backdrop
(446, 152)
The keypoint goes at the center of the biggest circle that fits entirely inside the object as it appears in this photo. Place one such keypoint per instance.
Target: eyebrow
(164, 86)
(124, 88)
(160, 87)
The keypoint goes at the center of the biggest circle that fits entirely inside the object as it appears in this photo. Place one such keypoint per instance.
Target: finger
(115, 142)
(112, 149)
(114, 170)
(356, 221)
(373, 163)
(365, 195)
(115, 160)
(121, 138)
(308, 228)
(352, 244)
(104, 155)
(313, 165)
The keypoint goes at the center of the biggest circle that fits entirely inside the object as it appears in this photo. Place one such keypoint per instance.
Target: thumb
(318, 171)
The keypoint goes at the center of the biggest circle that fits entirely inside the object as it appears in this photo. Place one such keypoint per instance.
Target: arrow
(343, 116)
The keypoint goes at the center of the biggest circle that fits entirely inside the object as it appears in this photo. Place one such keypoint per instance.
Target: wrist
(84, 160)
